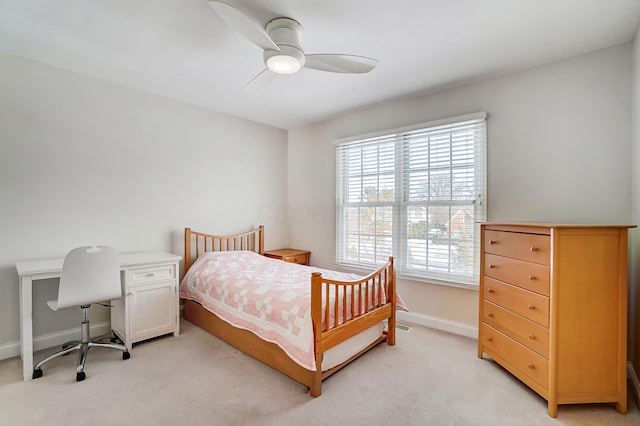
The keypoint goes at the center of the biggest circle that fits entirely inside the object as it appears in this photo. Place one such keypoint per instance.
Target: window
(417, 194)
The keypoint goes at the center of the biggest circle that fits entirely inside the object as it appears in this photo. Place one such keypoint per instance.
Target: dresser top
(557, 225)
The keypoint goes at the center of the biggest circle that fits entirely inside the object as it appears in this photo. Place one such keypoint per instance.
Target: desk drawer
(151, 274)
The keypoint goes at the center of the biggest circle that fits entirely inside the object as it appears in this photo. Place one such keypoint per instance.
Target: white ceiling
(182, 50)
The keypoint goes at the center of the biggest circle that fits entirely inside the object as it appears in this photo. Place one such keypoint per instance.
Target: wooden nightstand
(290, 255)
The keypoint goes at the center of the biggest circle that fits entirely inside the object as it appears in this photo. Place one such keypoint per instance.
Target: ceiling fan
(280, 40)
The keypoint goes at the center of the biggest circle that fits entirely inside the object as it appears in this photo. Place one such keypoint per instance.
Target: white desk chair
(89, 275)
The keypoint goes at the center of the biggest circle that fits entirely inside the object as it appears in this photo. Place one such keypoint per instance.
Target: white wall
(84, 161)
(559, 144)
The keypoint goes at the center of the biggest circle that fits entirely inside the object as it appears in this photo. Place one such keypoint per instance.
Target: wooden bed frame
(378, 308)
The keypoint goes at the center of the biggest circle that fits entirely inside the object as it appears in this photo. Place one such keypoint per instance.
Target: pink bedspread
(269, 297)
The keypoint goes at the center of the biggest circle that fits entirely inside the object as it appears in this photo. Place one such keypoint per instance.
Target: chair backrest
(89, 275)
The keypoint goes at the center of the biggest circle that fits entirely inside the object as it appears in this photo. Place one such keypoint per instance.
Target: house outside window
(416, 193)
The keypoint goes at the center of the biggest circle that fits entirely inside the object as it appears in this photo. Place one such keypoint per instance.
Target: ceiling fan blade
(259, 81)
(340, 63)
(246, 26)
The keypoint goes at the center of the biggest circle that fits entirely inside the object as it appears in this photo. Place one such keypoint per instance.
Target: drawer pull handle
(531, 307)
(531, 366)
(531, 277)
(490, 290)
(532, 337)
(151, 274)
(491, 266)
(489, 339)
(533, 248)
(492, 242)
(490, 315)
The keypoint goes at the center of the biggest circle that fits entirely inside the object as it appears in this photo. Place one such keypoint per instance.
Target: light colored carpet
(428, 378)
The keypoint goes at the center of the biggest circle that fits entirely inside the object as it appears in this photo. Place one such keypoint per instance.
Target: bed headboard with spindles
(196, 243)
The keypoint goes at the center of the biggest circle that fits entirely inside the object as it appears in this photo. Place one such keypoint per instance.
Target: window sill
(409, 277)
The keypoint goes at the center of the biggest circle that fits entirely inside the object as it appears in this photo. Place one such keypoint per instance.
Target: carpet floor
(429, 378)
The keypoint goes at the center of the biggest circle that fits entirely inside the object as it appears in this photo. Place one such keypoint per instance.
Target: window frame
(400, 203)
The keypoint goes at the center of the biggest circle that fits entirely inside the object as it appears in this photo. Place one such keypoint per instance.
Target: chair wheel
(126, 355)
(37, 373)
(80, 376)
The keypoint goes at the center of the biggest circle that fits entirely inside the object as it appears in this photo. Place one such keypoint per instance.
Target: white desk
(139, 266)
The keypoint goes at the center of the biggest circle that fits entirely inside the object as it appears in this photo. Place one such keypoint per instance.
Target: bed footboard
(342, 309)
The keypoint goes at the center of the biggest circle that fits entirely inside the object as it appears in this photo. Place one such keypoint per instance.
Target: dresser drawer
(527, 361)
(526, 303)
(532, 335)
(532, 276)
(151, 274)
(530, 247)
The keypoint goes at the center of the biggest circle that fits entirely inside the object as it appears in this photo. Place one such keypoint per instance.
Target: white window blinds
(416, 194)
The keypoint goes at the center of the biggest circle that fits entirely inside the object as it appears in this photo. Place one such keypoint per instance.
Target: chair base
(83, 347)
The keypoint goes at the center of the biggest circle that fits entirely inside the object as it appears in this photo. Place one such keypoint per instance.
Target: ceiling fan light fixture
(288, 60)
(283, 64)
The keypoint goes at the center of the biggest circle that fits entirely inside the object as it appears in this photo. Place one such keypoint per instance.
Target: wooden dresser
(553, 309)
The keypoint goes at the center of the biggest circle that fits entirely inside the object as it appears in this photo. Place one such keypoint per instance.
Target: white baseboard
(439, 324)
(635, 383)
(12, 349)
